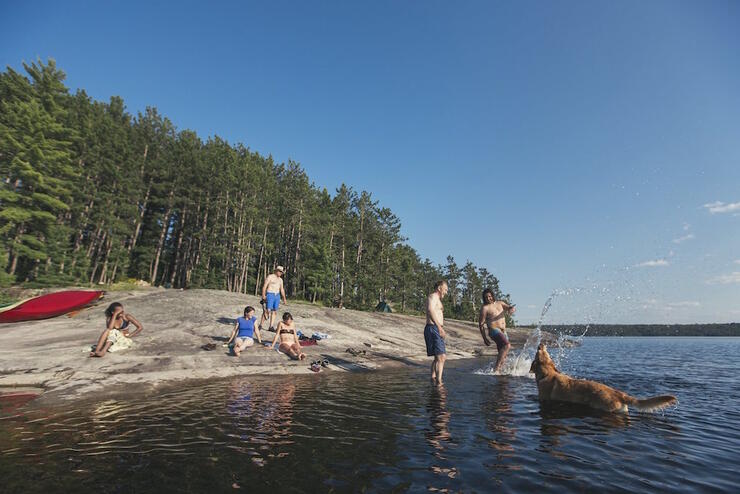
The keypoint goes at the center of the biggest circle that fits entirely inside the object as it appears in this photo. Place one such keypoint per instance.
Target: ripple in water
(392, 431)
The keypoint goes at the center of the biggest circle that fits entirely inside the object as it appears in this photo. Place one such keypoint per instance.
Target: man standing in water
(272, 290)
(493, 314)
(434, 333)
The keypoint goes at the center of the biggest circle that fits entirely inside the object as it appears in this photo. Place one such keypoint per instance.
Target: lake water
(391, 431)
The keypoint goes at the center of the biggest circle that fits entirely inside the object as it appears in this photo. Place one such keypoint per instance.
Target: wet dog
(553, 385)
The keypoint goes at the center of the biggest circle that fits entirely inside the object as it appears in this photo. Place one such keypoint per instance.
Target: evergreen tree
(36, 167)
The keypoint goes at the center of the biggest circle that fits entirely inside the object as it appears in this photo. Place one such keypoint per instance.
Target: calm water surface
(391, 431)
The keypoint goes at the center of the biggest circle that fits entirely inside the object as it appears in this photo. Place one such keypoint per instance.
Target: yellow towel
(122, 342)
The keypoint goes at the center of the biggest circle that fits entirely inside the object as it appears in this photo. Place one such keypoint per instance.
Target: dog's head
(542, 363)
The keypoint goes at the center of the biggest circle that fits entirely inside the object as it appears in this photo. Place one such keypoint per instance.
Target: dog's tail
(652, 404)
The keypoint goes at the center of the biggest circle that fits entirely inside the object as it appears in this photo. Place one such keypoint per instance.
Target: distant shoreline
(721, 329)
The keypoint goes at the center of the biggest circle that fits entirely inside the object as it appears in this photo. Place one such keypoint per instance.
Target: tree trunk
(162, 234)
(341, 277)
(247, 257)
(259, 264)
(93, 243)
(97, 257)
(178, 254)
(298, 248)
(204, 224)
(104, 271)
(140, 218)
(14, 262)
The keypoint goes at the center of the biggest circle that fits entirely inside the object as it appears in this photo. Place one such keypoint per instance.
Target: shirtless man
(272, 290)
(493, 314)
(434, 333)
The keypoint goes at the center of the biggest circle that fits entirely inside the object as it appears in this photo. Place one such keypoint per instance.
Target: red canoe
(50, 305)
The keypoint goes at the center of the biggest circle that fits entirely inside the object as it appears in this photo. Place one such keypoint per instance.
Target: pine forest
(92, 195)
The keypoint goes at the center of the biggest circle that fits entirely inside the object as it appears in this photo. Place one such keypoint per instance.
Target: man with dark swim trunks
(493, 314)
(434, 333)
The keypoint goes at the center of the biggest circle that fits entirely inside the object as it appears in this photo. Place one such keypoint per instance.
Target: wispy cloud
(654, 304)
(652, 264)
(721, 207)
(725, 279)
(686, 303)
(683, 239)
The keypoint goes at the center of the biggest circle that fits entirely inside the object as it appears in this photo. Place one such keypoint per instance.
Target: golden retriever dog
(555, 386)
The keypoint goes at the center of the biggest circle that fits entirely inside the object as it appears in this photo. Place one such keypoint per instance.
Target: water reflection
(555, 414)
(499, 419)
(11, 401)
(438, 435)
(261, 419)
(498, 416)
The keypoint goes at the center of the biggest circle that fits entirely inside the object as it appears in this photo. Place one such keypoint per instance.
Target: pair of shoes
(315, 366)
(209, 346)
(325, 363)
(354, 352)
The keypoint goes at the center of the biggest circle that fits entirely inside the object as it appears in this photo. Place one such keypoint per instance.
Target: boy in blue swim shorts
(493, 316)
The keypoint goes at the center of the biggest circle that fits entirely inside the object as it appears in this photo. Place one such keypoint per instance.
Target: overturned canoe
(50, 305)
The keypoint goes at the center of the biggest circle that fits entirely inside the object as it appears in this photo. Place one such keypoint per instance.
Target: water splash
(520, 363)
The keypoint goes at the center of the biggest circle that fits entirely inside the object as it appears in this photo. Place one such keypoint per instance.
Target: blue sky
(590, 148)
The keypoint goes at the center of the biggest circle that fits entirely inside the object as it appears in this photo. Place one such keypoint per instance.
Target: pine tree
(36, 167)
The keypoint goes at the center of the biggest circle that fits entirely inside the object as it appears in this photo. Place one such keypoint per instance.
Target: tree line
(94, 195)
(721, 329)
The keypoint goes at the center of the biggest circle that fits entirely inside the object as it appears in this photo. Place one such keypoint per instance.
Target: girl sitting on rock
(116, 326)
(288, 338)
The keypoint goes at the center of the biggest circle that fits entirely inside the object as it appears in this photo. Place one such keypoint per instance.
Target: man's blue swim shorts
(273, 301)
(435, 343)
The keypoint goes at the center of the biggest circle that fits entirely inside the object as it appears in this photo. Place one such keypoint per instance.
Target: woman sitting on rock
(244, 331)
(116, 326)
(288, 338)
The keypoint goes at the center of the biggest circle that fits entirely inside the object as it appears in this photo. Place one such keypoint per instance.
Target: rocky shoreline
(50, 355)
